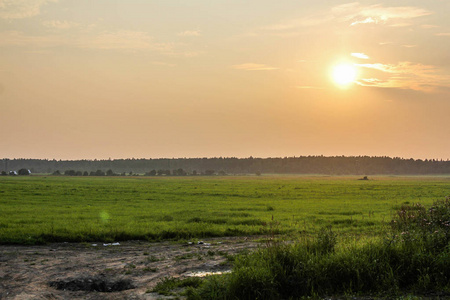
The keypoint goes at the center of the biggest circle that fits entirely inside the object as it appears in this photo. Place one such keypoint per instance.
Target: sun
(344, 74)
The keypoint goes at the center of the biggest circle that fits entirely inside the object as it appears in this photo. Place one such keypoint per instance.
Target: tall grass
(414, 258)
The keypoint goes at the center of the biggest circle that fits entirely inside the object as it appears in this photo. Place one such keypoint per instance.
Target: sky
(164, 78)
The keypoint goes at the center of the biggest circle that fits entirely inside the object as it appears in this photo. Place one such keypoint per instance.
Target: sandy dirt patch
(97, 271)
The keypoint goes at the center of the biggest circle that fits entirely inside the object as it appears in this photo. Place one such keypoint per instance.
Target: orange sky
(147, 79)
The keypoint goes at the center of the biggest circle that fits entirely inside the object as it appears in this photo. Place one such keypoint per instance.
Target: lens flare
(104, 217)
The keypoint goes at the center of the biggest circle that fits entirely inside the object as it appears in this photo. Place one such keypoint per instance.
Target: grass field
(39, 209)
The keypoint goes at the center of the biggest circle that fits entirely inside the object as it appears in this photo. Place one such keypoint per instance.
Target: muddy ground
(109, 271)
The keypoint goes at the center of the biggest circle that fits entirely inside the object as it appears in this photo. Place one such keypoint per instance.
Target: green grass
(166, 285)
(41, 209)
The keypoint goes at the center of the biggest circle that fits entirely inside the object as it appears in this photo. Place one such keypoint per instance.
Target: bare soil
(107, 271)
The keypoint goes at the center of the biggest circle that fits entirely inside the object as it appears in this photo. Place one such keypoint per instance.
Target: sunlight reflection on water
(204, 273)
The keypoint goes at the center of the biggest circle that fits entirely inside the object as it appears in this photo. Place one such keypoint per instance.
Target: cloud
(189, 33)
(124, 40)
(443, 34)
(55, 24)
(17, 38)
(121, 40)
(253, 67)
(400, 25)
(401, 68)
(351, 13)
(360, 55)
(301, 22)
(429, 26)
(365, 21)
(161, 63)
(393, 43)
(20, 9)
(372, 81)
(118, 40)
(378, 14)
(406, 75)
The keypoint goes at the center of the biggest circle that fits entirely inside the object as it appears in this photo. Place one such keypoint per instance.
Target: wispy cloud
(352, 13)
(253, 67)
(122, 39)
(301, 22)
(406, 75)
(443, 34)
(189, 33)
(161, 63)
(18, 38)
(365, 21)
(55, 24)
(401, 68)
(400, 24)
(118, 40)
(378, 14)
(398, 45)
(429, 26)
(20, 9)
(290, 27)
(360, 55)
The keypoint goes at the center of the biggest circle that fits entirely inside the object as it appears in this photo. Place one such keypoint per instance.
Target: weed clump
(325, 242)
(418, 226)
(167, 284)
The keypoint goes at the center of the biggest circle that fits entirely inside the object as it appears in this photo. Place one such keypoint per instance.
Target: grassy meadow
(39, 209)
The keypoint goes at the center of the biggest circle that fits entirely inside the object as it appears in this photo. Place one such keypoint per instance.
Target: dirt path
(125, 271)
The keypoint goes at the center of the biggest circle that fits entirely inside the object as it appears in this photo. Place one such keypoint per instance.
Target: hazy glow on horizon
(146, 79)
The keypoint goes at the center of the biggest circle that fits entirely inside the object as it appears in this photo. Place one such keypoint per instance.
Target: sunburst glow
(344, 74)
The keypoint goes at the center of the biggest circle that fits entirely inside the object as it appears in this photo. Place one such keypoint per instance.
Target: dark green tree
(99, 173)
(23, 172)
(209, 172)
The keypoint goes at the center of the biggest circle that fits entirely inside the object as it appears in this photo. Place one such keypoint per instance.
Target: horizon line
(231, 157)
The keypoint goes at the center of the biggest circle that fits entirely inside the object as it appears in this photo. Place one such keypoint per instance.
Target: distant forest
(335, 165)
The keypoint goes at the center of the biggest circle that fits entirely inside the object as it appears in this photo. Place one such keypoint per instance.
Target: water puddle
(205, 273)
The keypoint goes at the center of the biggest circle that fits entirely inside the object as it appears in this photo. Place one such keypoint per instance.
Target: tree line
(327, 165)
(160, 172)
